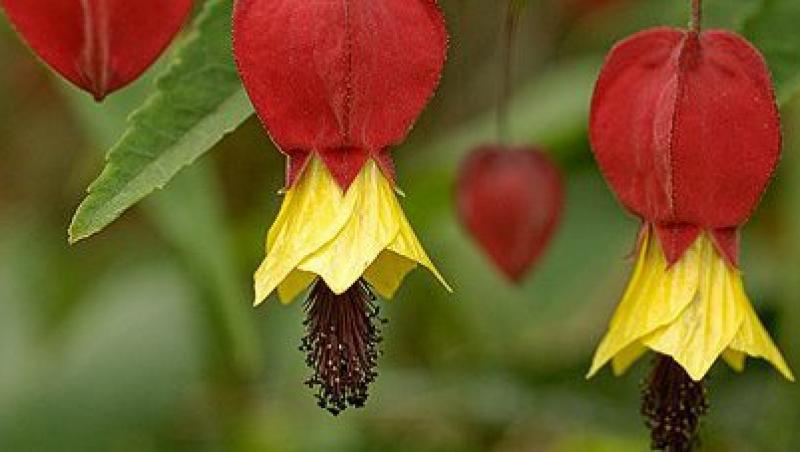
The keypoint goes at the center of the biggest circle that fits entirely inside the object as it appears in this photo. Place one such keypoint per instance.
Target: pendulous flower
(337, 85)
(510, 201)
(98, 45)
(685, 128)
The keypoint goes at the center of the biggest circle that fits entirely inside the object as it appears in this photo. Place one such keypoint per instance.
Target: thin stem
(697, 16)
(512, 19)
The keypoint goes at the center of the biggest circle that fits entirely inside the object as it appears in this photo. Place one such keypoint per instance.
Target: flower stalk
(696, 22)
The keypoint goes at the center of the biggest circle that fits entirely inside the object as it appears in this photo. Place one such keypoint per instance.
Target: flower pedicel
(337, 84)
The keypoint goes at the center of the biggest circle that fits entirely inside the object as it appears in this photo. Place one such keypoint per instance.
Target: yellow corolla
(339, 236)
(693, 311)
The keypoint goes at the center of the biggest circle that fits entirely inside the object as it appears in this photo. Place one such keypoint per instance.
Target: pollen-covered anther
(342, 339)
(672, 405)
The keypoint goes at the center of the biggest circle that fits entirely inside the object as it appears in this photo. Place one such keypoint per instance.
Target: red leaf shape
(685, 128)
(510, 200)
(99, 45)
(345, 79)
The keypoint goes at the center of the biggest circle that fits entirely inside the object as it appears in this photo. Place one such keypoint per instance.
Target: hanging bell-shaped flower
(685, 128)
(510, 200)
(337, 84)
(99, 45)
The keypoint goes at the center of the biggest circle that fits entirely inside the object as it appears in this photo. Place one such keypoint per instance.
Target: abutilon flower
(685, 128)
(337, 84)
(510, 200)
(98, 45)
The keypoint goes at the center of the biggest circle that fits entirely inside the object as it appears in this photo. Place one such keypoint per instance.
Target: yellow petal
(387, 272)
(371, 226)
(623, 360)
(708, 324)
(294, 284)
(402, 256)
(312, 214)
(407, 245)
(752, 339)
(655, 296)
(339, 237)
(735, 359)
(694, 311)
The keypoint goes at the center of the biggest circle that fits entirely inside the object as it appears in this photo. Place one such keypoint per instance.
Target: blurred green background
(143, 338)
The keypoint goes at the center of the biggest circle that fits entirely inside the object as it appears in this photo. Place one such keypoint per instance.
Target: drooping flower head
(337, 84)
(510, 201)
(99, 45)
(685, 128)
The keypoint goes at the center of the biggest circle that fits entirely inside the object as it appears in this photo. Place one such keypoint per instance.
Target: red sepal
(510, 200)
(686, 130)
(727, 241)
(675, 239)
(296, 161)
(99, 45)
(344, 163)
(386, 164)
(344, 79)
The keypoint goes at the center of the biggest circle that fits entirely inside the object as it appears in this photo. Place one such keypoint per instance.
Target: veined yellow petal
(655, 296)
(694, 312)
(708, 324)
(623, 360)
(735, 359)
(339, 236)
(313, 212)
(402, 256)
(369, 229)
(294, 284)
(387, 273)
(752, 339)
(407, 245)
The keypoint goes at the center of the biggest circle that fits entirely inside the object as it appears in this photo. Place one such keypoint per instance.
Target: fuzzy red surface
(686, 130)
(510, 200)
(344, 79)
(99, 45)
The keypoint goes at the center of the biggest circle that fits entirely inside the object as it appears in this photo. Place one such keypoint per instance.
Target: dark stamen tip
(672, 405)
(341, 342)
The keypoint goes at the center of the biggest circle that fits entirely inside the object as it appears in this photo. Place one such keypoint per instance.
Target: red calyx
(343, 79)
(99, 45)
(685, 128)
(510, 200)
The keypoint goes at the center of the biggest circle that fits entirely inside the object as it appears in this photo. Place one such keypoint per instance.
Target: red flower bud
(343, 79)
(510, 200)
(99, 45)
(685, 128)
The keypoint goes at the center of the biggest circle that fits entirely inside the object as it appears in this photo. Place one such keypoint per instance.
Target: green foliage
(197, 101)
(772, 27)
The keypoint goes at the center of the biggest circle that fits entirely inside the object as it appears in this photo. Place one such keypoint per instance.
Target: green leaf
(772, 27)
(197, 101)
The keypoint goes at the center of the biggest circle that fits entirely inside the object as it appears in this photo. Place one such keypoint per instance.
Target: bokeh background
(143, 338)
